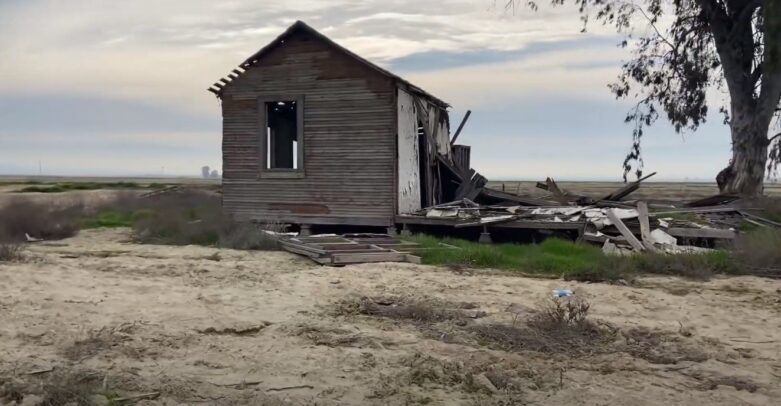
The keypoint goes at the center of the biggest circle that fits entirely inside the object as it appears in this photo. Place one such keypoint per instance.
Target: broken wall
(409, 163)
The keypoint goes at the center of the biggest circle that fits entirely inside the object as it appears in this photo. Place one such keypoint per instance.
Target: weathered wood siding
(349, 139)
(409, 155)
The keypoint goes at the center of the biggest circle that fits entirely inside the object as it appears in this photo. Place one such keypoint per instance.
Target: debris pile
(620, 226)
(332, 249)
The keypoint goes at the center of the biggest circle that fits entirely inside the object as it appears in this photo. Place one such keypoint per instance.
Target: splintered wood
(351, 248)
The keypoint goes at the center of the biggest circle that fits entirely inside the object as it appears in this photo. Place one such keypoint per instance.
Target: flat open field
(11, 179)
(649, 190)
(198, 325)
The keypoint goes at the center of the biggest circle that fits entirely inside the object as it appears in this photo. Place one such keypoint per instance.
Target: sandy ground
(261, 328)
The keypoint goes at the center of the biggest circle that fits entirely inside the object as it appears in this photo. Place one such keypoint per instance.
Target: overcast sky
(91, 87)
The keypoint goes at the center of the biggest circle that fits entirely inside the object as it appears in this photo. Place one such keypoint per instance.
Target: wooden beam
(558, 195)
(626, 190)
(522, 224)
(366, 257)
(701, 233)
(760, 219)
(624, 230)
(461, 126)
(645, 226)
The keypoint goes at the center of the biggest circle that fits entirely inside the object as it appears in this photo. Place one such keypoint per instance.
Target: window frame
(263, 171)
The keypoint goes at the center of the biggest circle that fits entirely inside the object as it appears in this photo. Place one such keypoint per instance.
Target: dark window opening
(282, 133)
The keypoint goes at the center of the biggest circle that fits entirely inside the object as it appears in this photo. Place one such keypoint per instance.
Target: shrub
(695, 265)
(249, 236)
(196, 217)
(759, 249)
(568, 311)
(10, 250)
(21, 217)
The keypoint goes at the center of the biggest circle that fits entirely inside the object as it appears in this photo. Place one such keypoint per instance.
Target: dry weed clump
(659, 347)
(559, 326)
(58, 388)
(250, 236)
(196, 217)
(337, 337)
(485, 379)
(739, 383)
(96, 342)
(398, 308)
(758, 251)
(10, 250)
(22, 217)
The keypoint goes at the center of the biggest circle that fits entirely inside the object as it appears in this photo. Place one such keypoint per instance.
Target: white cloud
(167, 52)
(171, 51)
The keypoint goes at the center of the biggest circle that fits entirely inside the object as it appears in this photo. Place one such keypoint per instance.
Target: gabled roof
(299, 27)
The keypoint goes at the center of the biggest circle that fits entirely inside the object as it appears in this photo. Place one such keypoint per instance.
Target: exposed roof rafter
(300, 26)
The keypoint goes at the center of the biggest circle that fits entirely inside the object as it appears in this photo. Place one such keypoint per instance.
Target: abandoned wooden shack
(314, 134)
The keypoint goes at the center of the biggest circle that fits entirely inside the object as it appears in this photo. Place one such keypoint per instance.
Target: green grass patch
(114, 218)
(553, 256)
(572, 261)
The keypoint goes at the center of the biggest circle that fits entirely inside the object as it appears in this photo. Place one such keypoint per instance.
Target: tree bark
(746, 172)
(751, 113)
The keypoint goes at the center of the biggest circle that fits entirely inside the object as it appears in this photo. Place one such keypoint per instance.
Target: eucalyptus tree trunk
(746, 171)
(753, 101)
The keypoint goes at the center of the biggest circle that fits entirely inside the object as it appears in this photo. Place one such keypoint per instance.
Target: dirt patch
(660, 347)
(78, 387)
(98, 341)
(739, 383)
(237, 330)
(421, 335)
(425, 310)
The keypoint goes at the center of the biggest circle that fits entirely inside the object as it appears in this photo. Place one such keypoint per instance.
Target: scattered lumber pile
(332, 249)
(620, 226)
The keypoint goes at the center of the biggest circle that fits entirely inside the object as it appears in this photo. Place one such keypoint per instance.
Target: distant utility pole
(40, 168)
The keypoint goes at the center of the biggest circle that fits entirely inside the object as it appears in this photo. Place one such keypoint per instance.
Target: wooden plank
(365, 257)
(645, 226)
(626, 190)
(461, 126)
(336, 247)
(759, 219)
(487, 221)
(301, 250)
(713, 200)
(701, 233)
(704, 210)
(558, 195)
(523, 224)
(526, 201)
(413, 259)
(622, 228)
